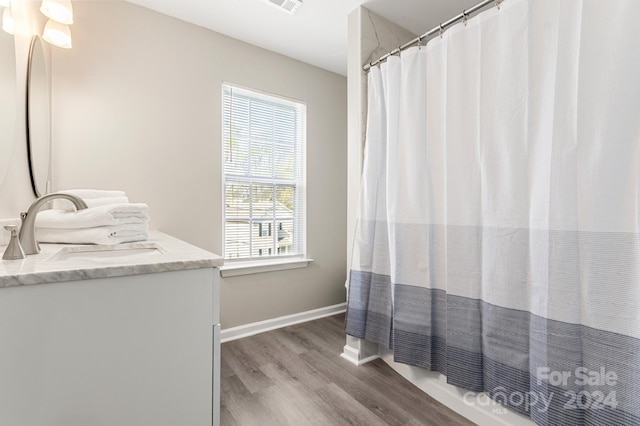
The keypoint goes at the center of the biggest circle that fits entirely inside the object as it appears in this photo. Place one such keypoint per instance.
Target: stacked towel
(93, 198)
(67, 205)
(109, 219)
(113, 214)
(115, 234)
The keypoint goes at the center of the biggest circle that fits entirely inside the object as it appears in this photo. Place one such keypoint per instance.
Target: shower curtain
(498, 238)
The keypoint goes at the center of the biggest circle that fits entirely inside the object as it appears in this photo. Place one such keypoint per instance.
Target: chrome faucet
(28, 228)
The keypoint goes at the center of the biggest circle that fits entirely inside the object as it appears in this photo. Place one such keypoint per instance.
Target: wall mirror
(8, 99)
(38, 118)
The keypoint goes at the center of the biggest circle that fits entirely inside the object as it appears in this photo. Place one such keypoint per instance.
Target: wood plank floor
(295, 376)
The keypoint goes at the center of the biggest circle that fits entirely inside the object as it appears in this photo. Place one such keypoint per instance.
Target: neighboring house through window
(264, 139)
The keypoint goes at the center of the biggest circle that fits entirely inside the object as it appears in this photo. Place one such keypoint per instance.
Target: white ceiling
(316, 33)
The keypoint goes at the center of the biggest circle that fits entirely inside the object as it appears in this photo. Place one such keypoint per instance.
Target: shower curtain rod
(437, 30)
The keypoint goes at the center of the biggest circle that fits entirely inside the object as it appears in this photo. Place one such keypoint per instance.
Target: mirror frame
(30, 155)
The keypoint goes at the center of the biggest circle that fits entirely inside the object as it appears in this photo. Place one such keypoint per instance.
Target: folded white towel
(87, 194)
(62, 204)
(113, 214)
(115, 234)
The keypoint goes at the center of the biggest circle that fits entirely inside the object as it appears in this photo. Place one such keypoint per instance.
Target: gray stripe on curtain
(371, 308)
(497, 350)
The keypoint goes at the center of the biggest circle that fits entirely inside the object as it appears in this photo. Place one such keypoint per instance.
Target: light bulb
(7, 21)
(58, 10)
(57, 34)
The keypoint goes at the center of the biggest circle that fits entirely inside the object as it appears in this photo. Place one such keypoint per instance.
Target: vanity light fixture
(57, 34)
(58, 10)
(7, 21)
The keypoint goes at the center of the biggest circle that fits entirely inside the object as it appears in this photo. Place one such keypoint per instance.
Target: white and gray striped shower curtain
(498, 238)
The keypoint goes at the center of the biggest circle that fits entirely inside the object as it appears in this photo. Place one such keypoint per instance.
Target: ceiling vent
(289, 6)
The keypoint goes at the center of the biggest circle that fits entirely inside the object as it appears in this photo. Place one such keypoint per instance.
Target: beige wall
(137, 106)
(15, 189)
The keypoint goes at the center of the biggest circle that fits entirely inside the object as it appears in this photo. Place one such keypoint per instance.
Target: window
(264, 140)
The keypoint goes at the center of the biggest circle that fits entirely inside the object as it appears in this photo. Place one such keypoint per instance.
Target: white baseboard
(353, 356)
(233, 333)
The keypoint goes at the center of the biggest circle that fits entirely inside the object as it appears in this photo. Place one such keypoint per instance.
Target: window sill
(247, 268)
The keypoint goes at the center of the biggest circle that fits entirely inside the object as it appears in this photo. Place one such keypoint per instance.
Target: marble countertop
(64, 262)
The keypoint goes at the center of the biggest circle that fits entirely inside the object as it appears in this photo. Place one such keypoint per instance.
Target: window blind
(264, 140)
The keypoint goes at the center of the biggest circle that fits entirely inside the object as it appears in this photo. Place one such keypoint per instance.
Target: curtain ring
(498, 4)
(465, 17)
(441, 31)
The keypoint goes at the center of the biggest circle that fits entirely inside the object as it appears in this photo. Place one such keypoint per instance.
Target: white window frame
(242, 266)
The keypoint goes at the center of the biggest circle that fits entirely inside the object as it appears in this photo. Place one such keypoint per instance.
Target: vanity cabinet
(140, 349)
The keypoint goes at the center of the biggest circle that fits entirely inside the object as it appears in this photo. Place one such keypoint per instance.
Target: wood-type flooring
(295, 376)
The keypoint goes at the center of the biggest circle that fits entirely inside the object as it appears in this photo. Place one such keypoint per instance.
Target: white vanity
(128, 336)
